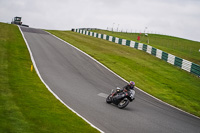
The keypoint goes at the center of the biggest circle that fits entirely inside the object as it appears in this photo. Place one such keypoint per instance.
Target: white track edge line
(37, 71)
(124, 79)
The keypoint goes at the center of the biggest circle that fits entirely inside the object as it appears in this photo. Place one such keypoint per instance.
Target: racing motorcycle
(121, 97)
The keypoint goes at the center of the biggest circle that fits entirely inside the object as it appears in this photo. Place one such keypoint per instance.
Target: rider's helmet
(118, 89)
(132, 84)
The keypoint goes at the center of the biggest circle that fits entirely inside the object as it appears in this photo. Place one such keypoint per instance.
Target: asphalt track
(82, 84)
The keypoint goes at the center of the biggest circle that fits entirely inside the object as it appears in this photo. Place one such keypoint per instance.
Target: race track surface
(82, 84)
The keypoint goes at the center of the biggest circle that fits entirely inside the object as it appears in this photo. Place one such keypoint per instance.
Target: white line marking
(103, 95)
(35, 66)
(125, 80)
(101, 65)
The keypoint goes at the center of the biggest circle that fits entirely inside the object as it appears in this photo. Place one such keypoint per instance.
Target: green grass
(155, 76)
(179, 47)
(26, 106)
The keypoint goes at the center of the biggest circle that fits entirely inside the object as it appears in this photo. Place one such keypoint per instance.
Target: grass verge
(26, 106)
(157, 77)
(179, 47)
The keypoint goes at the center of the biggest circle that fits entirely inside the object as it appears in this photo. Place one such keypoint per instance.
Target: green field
(26, 106)
(179, 47)
(155, 76)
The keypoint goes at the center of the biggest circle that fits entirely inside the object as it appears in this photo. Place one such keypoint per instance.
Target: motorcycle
(121, 97)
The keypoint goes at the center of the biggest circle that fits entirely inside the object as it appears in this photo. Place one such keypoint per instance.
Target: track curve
(81, 83)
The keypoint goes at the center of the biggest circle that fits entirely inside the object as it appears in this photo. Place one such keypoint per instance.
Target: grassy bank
(179, 47)
(151, 74)
(26, 106)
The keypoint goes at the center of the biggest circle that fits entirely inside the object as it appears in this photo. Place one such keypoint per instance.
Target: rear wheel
(108, 99)
(123, 103)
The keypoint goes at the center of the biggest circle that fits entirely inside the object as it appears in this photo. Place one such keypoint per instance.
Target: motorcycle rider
(131, 85)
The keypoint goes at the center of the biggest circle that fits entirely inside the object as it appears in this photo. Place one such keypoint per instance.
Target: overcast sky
(179, 18)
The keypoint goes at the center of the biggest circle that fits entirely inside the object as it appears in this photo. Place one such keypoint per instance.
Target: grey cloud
(174, 17)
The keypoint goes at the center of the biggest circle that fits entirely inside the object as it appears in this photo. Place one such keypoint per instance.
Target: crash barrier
(176, 61)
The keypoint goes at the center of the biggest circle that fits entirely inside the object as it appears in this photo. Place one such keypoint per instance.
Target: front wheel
(123, 103)
(108, 99)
